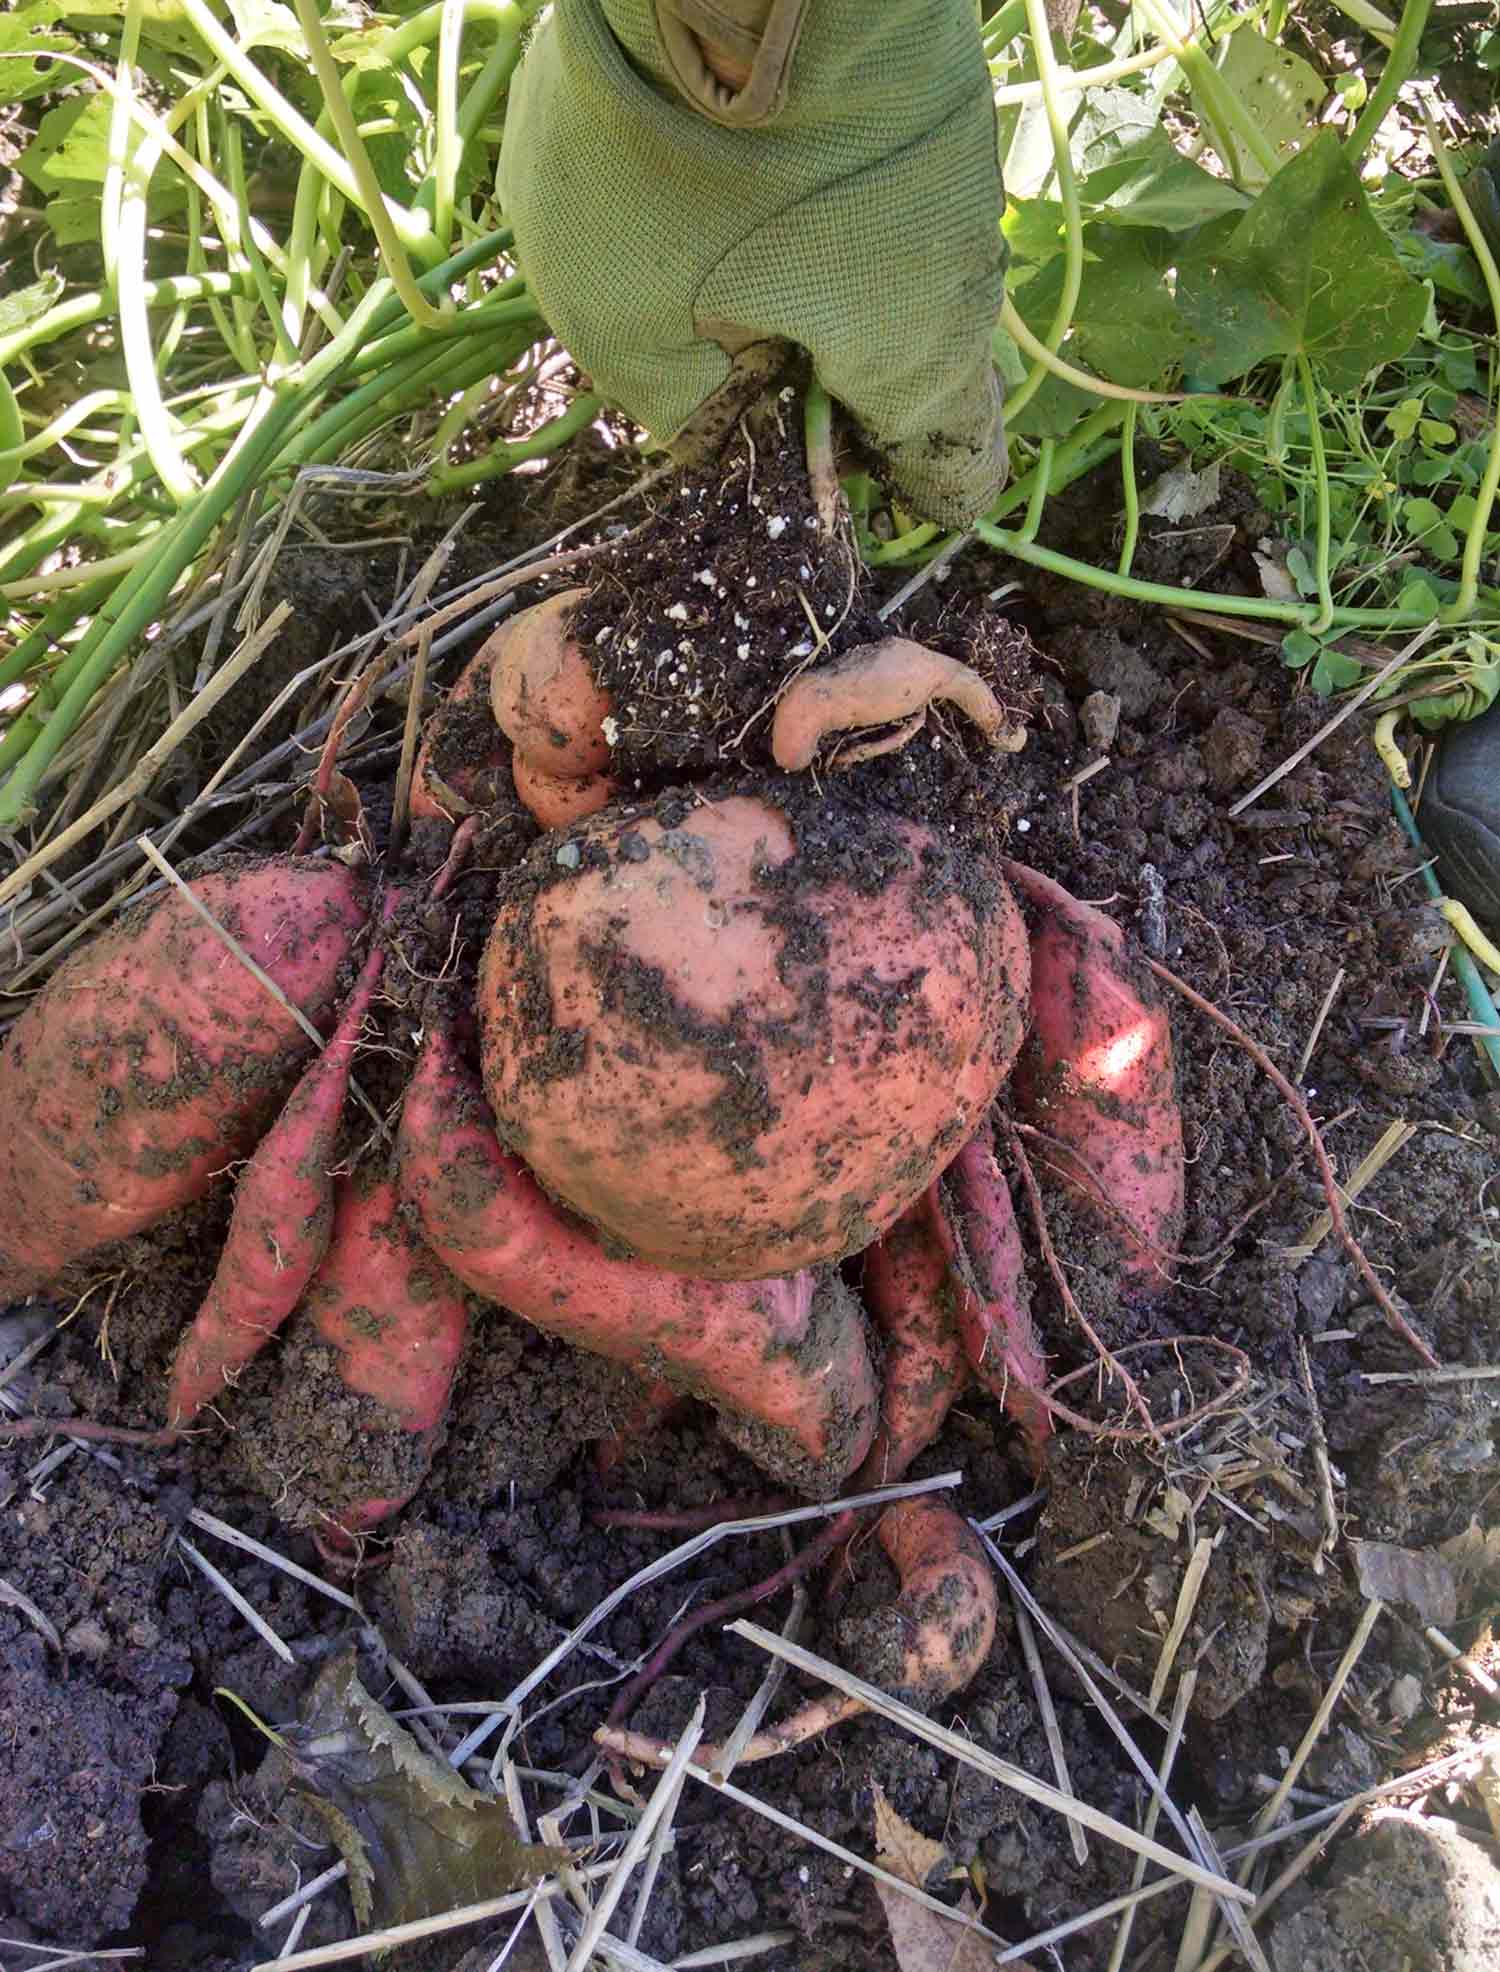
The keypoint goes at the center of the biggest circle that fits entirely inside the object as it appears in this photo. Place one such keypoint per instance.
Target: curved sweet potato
(892, 682)
(397, 1320)
(994, 1306)
(1096, 1074)
(153, 1058)
(932, 1640)
(283, 1217)
(783, 1361)
(732, 1063)
(910, 1290)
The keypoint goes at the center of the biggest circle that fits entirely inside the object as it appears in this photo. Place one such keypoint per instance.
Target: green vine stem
(1221, 107)
(1132, 492)
(1395, 70)
(1067, 191)
(377, 210)
(1297, 615)
(1324, 507)
(1042, 478)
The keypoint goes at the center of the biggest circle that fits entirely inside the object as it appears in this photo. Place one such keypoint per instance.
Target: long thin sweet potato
(783, 1361)
(154, 1058)
(994, 1306)
(283, 1216)
(397, 1320)
(910, 1290)
(1096, 1075)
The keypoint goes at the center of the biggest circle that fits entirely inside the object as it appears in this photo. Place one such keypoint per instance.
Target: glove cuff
(760, 36)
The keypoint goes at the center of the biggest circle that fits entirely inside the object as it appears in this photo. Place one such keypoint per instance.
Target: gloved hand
(845, 195)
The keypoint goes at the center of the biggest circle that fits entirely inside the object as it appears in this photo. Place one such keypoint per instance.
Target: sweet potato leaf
(1279, 90)
(1306, 269)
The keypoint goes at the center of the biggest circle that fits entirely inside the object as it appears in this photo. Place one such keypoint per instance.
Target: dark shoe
(1460, 816)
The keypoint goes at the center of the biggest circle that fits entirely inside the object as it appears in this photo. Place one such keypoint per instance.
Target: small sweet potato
(734, 1059)
(544, 694)
(397, 1320)
(910, 1290)
(890, 683)
(927, 1644)
(556, 801)
(283, 1216)
(154, 1059)
(1096, 1075)
(932, 1640)
(784, 1362)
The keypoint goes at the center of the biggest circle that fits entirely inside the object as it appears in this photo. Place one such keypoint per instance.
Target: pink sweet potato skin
(397, 1320)
(153, 1059)
(994, 1304)
(910, 1290)
(1096, 1075)
(732, 1063)
(934, 1638)
(283, 1218)
(784, 1361)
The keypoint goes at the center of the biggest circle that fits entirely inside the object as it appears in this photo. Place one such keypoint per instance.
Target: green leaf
(1033, 229)
(1333, 672)
(1308, 270)
(1434, 431)
(1451, 267)
(1420, 598)
(1130, 171)
(1279, 90)
(1420, 514)
(1298, 648)
(31, 32)
(1403, 421)
(71, 146)
(28, 304)
(1352, 90)
(1125, 325)
(416, 1837)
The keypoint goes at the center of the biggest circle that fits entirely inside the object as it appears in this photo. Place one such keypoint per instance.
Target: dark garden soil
(138, 1807)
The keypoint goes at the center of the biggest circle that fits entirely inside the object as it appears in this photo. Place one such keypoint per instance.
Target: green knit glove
(846, 198)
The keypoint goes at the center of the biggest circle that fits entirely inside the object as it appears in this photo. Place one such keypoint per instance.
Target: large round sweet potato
(742, 1045)
(153, 1059)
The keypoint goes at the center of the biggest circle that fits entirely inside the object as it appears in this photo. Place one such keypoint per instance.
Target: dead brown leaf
(1417, 1576)
(924, 1941)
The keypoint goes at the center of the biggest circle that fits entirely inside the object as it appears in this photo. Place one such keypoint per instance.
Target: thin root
(1397, 1322)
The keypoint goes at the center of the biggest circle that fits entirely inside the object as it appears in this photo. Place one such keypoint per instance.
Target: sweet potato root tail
(994, 1306)
(1096, 1075)
(283, 1215)
(910, 1290)
(783, 1361)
